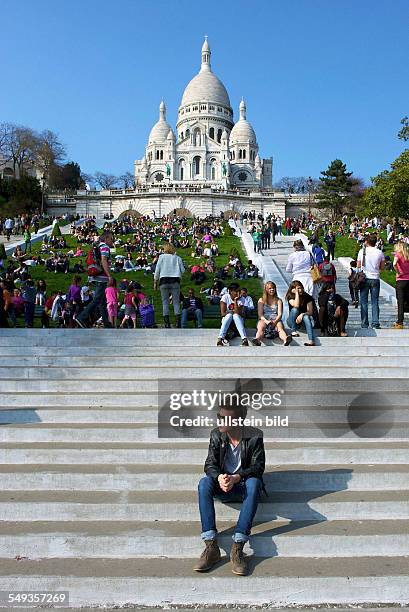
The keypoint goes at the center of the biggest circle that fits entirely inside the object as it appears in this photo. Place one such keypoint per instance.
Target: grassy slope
(62, 281)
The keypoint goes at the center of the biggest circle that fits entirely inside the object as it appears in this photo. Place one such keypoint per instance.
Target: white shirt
(299, 262)
(228, 301)
(373, 259)
(246, 301)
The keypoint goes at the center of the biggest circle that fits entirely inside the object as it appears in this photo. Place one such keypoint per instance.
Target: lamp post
(309, 188)
(43, 179)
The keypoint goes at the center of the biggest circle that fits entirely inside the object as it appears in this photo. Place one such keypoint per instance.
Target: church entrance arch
(181, 212)
(129, 213)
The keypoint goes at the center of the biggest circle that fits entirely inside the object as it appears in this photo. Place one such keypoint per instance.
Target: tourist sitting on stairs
(234, 472)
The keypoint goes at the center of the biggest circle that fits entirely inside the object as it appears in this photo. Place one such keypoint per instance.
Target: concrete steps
(92, 501)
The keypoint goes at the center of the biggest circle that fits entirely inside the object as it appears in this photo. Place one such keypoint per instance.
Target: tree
(18, 144)
(334, 188)
(127, 180)
(67, 176)
(49, 152)
(56, 231)
(105, 181)
(403, 133)
(389, 194)
(20, 195)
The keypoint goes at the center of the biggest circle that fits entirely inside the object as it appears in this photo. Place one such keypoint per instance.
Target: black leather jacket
(253, 457)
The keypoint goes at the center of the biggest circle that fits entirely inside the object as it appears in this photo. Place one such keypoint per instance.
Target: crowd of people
(150, 246)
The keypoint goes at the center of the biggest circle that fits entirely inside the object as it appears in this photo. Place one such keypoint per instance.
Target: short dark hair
(233, 403)
(371, 239)
(233, 287)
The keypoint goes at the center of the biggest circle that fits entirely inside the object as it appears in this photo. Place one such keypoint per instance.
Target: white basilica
(209, 148)
(208, 164)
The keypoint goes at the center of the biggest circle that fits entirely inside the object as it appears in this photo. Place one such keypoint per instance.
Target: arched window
(187, 133)
(161, 154)
(196, 165)
(157, 154)
(181, 136)
(181, 169)
(244, 153)
(240, 153)
(219, 135)
(211, 132)
(213, 173)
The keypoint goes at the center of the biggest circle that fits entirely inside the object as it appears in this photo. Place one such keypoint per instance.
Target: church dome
(161, 129)
(242, 130)
(205, 86)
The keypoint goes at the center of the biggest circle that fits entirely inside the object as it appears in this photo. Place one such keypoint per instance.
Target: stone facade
(208, 148)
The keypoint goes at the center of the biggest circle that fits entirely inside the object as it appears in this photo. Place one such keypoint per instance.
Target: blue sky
(321, 79)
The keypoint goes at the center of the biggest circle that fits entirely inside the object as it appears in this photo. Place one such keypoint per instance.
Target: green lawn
(59, 281)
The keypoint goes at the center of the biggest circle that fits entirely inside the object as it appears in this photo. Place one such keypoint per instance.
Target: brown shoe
(209, 557)
(238, 559)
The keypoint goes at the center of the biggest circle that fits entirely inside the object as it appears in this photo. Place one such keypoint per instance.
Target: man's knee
(253, 485)
(206, 484)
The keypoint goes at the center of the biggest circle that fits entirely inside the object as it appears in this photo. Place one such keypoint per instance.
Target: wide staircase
(280, 251)
(94, 502)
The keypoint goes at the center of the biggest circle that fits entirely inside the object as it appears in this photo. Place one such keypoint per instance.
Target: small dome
(171, 135)
(242, 130)
(224, 135)
(161, 129)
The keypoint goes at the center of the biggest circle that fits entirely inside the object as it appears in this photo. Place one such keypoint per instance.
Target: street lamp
(309, 189)
(43, 179)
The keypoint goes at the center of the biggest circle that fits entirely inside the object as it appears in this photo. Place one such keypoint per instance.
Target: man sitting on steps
(234, 472)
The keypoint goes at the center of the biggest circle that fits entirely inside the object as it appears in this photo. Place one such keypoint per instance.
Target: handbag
(360, 277)
(315, 271)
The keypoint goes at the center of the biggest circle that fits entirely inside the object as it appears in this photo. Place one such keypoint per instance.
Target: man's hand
(227, 481)
(223, 480)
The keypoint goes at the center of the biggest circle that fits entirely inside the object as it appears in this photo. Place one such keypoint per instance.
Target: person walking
(8, 226)
(27, 239)
(371, 261)
(299, 265)
(401, 265)
(330, 242)
(168, 273)
(98, 262)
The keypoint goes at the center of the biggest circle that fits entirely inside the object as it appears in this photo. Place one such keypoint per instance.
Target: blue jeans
(197, 315)
(29, 308)
(307, 321)
(98, 301)
(372, 286)
(248, 492)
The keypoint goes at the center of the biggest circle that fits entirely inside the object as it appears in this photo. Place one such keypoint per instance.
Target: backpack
(93, 261)
(327, 270)
(147, 314)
